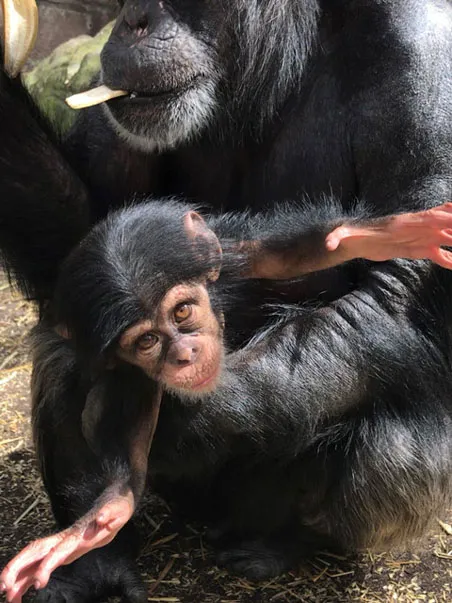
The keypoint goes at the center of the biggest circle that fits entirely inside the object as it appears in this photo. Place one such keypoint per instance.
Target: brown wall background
(60, 20)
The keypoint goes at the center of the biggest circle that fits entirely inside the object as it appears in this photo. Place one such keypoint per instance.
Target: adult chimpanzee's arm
(44, 205)
(339, 359)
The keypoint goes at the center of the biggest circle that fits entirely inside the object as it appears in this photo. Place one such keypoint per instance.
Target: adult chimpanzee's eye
(146, 342)
(182, 312)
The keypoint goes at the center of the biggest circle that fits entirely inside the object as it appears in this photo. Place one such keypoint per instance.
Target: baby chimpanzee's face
(181, 345)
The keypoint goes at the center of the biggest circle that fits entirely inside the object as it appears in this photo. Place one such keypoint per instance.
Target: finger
(72, 544)
(445, 207)
(22, 584)
(334, 238)
(82, 550)
(30, 555)
(439, 213)
(73, 547)
(20, 27)
(436, 218)
(445, 237)
(442, 257)
(102, 538)
(75, 544)
(26, 581)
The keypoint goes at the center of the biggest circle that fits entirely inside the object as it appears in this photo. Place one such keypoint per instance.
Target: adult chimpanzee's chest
(302, 155)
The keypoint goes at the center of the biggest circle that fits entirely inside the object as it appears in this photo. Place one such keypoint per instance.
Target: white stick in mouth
(20, 27)
(92, 97)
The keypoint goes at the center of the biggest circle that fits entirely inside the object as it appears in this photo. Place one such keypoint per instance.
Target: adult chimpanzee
(247, 103)
(140, 310)
(250, 102)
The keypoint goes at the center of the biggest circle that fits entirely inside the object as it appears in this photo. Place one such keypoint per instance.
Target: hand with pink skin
(415, 236)
(36, 562)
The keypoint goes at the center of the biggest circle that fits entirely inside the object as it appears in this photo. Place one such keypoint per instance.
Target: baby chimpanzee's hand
(35, 563)
(415, 236)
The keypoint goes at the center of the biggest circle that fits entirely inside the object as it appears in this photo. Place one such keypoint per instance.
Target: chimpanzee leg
(362, 437)
(379, 484)
(376, 481)
(389, 478)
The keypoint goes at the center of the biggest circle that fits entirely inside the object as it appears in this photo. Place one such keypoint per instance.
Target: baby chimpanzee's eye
(146, 342)
(182, 312)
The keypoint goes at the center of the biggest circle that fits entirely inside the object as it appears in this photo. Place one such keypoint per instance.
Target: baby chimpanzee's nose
(183, 353)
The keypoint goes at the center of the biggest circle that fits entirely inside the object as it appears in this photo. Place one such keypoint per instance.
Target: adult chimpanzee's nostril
(136, 20)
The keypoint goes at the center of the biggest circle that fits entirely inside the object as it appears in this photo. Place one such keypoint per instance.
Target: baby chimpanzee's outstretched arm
(292, 241)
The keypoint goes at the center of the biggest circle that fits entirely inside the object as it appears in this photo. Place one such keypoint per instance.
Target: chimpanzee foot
(256, 560)
(94, 577)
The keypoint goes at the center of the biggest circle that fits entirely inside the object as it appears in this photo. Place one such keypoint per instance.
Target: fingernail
(37, 585)
(2, 587)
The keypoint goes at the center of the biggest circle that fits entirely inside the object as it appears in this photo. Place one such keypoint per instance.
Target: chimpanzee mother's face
(166, 55)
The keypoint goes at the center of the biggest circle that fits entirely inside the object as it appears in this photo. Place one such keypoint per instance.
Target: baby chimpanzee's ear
(197, 230)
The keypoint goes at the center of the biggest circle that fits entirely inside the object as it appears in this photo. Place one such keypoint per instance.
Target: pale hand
(35, 563)
(416, 236)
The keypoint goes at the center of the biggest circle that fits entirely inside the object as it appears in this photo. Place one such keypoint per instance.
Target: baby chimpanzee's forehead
(149, 245)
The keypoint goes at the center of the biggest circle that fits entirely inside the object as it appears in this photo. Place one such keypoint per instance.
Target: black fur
(345, 395)
(127, 263)
(306, 442)
(44, 205)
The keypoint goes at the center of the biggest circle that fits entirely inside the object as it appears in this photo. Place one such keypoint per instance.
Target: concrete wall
(60, 20)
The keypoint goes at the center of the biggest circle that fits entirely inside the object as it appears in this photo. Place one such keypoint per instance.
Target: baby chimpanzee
(155, 302)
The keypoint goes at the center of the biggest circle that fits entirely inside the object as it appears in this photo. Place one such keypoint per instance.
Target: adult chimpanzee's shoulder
(374, 113)
(394, 62)
(386, 42)
(422, 29)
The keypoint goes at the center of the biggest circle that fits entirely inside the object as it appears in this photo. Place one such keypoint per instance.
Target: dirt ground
(176, 563)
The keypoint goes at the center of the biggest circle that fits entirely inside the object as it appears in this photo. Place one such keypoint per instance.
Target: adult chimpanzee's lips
(138, 95)
(104, 93)
(20, 27)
